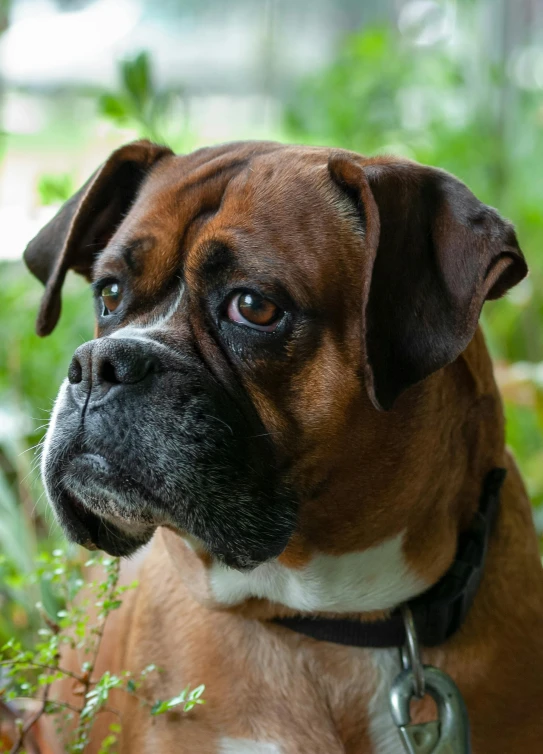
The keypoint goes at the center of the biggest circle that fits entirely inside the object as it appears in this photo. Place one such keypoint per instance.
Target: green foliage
(55, 188)
(156, 115)
(32, 673)
(187, 698)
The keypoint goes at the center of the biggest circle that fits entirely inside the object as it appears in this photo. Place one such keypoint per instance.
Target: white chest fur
(374, 579)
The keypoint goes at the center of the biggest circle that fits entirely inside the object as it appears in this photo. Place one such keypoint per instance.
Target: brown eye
(253, 310)
(112, 295)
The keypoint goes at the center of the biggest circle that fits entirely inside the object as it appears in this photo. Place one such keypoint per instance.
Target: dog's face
(249, 299)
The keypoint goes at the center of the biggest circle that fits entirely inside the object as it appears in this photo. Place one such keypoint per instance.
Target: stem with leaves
(30, 673)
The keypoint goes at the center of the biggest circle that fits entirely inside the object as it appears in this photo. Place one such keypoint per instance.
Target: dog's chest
(329, 715)
(268, 690)
(321, 698)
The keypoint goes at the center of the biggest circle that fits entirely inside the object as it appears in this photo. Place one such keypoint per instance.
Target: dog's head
(249, 298)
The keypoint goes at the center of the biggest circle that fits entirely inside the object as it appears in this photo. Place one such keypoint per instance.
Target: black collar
(439, 612)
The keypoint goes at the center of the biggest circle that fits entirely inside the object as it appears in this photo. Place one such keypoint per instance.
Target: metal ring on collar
(410, 653)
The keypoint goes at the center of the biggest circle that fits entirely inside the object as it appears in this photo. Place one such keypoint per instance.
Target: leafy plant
(31, 673)
(138, 104)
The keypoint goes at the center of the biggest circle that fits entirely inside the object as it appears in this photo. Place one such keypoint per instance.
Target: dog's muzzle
(143, 435)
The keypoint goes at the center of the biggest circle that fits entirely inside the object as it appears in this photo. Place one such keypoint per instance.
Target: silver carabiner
(447, 735)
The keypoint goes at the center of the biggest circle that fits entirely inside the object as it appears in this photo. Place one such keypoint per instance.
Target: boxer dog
(289, 394)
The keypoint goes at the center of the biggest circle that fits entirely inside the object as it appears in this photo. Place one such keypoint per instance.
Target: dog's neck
(384, 523)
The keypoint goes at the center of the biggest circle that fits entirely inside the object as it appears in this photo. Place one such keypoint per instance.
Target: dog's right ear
(86, 222)
(433, 255)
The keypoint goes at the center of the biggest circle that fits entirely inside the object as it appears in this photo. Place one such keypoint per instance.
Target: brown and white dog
(289, 394)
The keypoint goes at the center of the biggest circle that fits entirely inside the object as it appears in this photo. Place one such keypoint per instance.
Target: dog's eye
(253, 310)
(111, 295)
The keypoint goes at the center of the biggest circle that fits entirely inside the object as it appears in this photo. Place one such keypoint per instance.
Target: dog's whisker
(216, 418)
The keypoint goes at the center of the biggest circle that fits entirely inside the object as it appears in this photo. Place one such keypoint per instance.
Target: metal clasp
(410, 653)
(449, 734)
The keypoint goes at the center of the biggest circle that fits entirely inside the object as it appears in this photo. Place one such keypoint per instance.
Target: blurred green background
(453, 84)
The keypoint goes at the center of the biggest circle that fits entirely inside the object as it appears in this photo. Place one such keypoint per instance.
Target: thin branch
(52, 668)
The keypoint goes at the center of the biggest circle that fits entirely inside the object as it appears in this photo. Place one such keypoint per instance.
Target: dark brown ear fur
(439, 256)
(85, 223)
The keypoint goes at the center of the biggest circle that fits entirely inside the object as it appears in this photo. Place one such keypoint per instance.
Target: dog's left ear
(85, 223)
(435, 255)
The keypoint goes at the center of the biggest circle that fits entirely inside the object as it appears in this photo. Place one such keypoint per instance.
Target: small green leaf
(113, 107)
(197, 692)
(175, 700)
(159, 708)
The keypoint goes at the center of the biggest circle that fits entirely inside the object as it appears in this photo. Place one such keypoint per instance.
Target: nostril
(75, 371)
(127, 370)
(108, 373)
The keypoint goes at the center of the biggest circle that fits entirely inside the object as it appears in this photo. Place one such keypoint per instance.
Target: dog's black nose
(100, 364)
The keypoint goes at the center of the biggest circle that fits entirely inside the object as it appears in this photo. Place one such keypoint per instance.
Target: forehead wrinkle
(171, 202)
(160, 264)
(133, 250)
(110, 260)
(176, 175)
(214, 171)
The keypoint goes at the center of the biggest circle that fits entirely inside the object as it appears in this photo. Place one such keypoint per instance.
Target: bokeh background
(453, 84)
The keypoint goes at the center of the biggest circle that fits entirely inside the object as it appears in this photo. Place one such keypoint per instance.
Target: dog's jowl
(289, 398)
